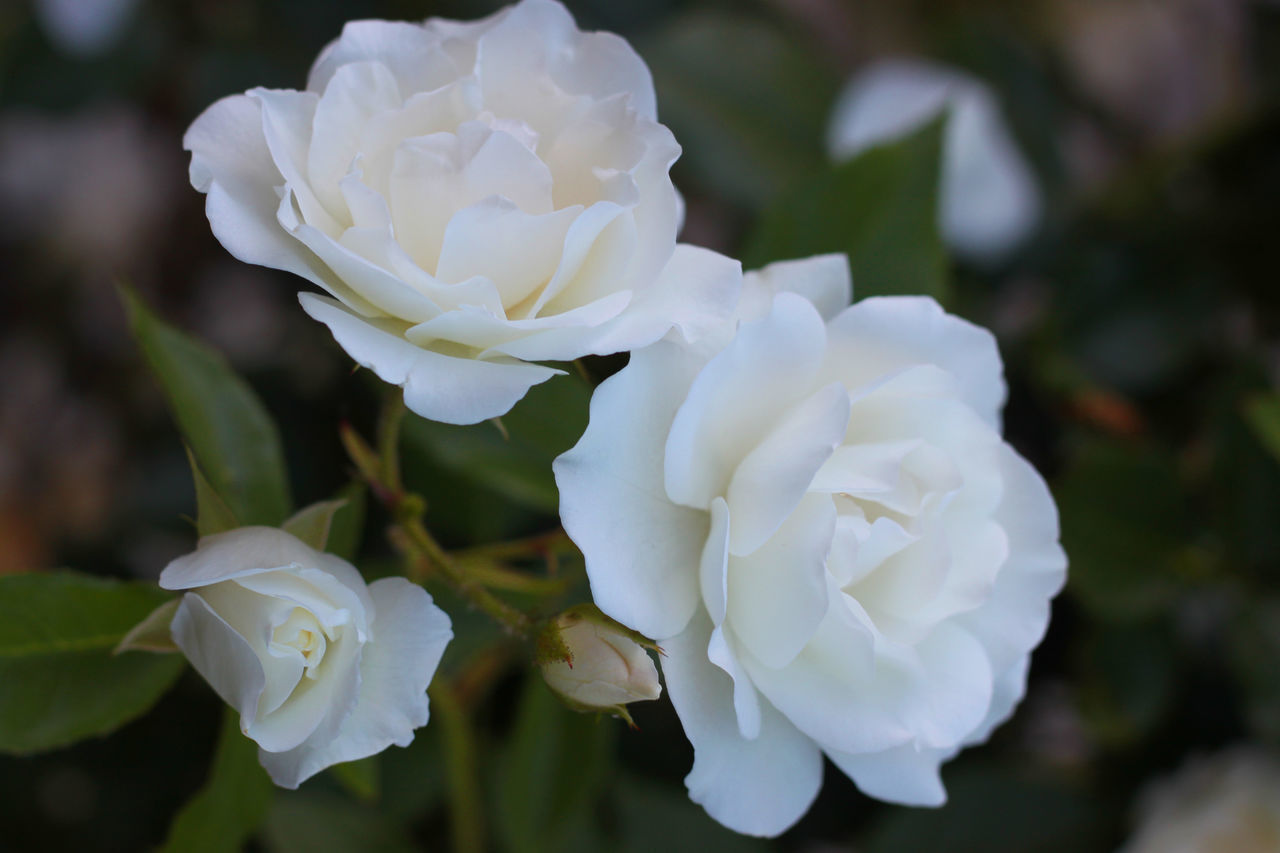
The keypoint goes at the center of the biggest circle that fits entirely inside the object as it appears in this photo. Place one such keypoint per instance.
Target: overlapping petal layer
(483, 193)
(813, 511)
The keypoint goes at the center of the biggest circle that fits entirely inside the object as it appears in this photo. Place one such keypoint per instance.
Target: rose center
(303, 633)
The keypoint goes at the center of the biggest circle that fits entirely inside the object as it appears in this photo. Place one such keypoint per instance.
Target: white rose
(1215, 804)
(989, 199)
(321, 667)
(475, 197)
(819, 522)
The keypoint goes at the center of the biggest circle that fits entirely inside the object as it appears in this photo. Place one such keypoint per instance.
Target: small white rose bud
(595, 664)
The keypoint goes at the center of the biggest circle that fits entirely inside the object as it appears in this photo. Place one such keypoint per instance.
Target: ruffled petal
(695, 293)
(395, 669)
(739, 396)
(883, 335)
(436, 386)
(778, 594)
(825, 280)
(411, 51)
(221, 656)
(907, 774)
(642, 552)
(759, 786)
(231, 163)
(771, 480)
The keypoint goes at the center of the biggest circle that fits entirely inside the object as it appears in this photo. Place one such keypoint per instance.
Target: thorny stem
(382, 471)
(546, 546)
(424, 544)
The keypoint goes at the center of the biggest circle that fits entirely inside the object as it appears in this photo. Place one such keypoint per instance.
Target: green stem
(389, 441)
(540, 546)
(465, 809)
(421, 540)
(382, 471)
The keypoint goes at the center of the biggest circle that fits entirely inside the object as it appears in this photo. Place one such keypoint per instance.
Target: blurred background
(1138, 313)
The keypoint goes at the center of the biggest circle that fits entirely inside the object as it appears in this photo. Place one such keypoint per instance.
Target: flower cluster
(808, 504)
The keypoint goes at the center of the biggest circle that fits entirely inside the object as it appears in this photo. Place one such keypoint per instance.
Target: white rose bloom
(817, 519)
(989, 198)
(321, 667)
(473, 197)
(1225, 803)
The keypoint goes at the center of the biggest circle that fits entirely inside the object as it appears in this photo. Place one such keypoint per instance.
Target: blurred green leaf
(59, 681)
(225, 425)
(1262, 411)
(212, 513)
(346, 527)
(547, 422)
(1126, 674)
(879, 208)
(550, 772)
(748, 104)
(360, 778)
(315, 822)
(311, 524)
(662, 817)
(995, 810)
(1254, 648)
(1124, 520)
(412, 780)
(233, 802)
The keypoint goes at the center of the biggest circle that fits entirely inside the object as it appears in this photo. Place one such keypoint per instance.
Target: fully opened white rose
(473, 196)
(321, 667)
(819, 521)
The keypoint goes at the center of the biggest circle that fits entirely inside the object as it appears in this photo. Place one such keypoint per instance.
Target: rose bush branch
(424, 554)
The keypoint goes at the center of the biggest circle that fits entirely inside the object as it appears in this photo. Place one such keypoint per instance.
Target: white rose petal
(475, 195)
(320, 667)
(817, 518)
(989, 200)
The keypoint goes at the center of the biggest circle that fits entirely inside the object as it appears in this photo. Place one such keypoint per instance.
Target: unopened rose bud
(595, 664)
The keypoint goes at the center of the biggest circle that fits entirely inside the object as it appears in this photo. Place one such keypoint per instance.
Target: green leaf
(233, 802)
(225, 425)
(748, 103)
(315, 822)
(346, 528)
(152, 634)
(412, 780)
(59, 681)
(1262, 411)
(360, 778)
(1126, 676)
(880, 208)
(662, 817)
(550, 771)
(1123, 523)
(547, 422)
(311, 524)
(212, 513)
(1253, 649)
(992, 810)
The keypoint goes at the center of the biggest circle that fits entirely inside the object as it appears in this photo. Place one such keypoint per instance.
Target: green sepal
(212, 513)
(153, 633)
(311, 524)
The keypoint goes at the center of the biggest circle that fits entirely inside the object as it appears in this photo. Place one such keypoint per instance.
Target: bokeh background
(1139, 325)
